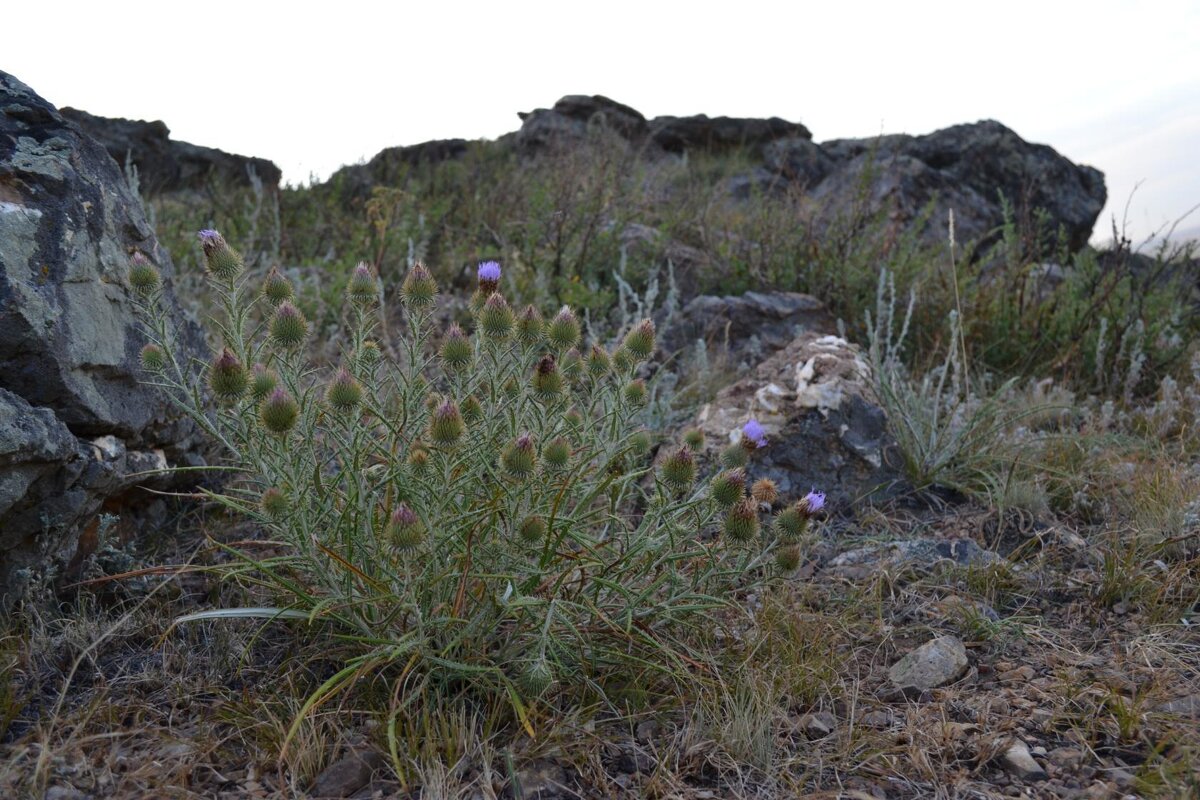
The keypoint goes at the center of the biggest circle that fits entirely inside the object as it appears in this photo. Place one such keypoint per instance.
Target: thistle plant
(481, 512)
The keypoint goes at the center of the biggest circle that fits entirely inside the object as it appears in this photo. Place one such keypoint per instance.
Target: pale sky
(1110, 83)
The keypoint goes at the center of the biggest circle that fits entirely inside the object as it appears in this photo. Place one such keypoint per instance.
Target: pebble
(1019, 761)
(933, 664)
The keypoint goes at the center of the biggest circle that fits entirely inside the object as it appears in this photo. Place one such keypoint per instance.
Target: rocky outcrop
(815, 401)
(389, 166)
(573, 117)
(967, 168)
(75, 423)
(748, 327)
(168, 165)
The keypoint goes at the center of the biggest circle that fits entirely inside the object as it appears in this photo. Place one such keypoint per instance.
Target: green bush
(479, 510)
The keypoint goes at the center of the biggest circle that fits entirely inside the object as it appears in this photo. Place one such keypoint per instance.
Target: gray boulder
(169, 165)
(75, 423)
(965, 167)
(825, 429)
(717, 134)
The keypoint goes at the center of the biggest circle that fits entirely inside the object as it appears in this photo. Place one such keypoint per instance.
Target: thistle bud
(363, 289)
(791, 524)
(728, 487)
(496, 318)
(734, 456)
(154, 358)
(563, 330)
(532, 529)
(418, 457)
(276, 288)
(557, 453)
(573, 419)
(754, 436)
(694, 438)
(598, 362)
(488, 274)
(640, 341)
(368, 355)
(623, 361)
(741, 523)
(446, 426)
(811, 503)
(472, 409)
(404, 529)
(764, 491)
(787, 557)
(635, 393)
(639, 441)
(529, 326)
(143, 277)
(519, 458)
(288, 326)
(279, 411)
(511, 389)
(456, 349)
(224, 262)
(344, 393)
(263, 382)
(227, 378)
(547, 381)
(419, 288)
(274, 503)
(679, 469)
(571, 365)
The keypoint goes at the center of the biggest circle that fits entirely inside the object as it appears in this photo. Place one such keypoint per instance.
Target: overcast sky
(1110, 83)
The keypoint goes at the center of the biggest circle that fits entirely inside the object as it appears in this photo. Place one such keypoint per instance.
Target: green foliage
(479, 519)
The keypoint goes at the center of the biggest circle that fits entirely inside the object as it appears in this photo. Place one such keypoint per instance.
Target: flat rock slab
(933, 664)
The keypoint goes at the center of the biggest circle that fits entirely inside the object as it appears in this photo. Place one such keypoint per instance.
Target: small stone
(646, 730)
(543, 779)
(347, 775)
(1188, 706)
(65, 793)
(819, 725)
(880, 720)
(1019, 675)
(1019, 761)
(1067, 758)
(933, 664)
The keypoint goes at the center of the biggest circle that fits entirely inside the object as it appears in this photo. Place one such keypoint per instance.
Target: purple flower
(752, 431)
(209, 236)
(813, 502)
(489, 271)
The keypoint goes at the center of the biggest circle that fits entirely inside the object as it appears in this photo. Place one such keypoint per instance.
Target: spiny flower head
(572, 365)
(279, 411)
(532, 529)
(790, 524)
(288, 326)
(263, 382)
(734, 456)
(344, 392)
(227, 377)
(529, 326)
(223, 261)
(640, 341)
(519, 458)
(368, 355)
(764, 491)
(754, 435)
(472, 409)
(787, 557)
(143, 277)
(154, 358)
(694, 438)
(635, 393)
(363, 289)
(496, 318)
(418, 457)
(488, 274)
(563, 330)
(573, 419)
(741, 523)
(456, 349)
(557, 453)
(598, 362)
(640, 441)
(276, 288)
(274, 502)
(728, 487)
(404, 528)
(679, 468)
(547, 380)
(446, 426)
(419, 288)
(811, 503)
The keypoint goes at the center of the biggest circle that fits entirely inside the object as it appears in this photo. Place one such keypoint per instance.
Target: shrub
(481, 513)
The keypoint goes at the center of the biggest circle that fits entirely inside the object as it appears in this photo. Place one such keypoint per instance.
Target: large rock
(389, 166)
(75, 423)
(717, 134)
(168, 165)
(966, 168)
(825, 429)
(749, 327)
